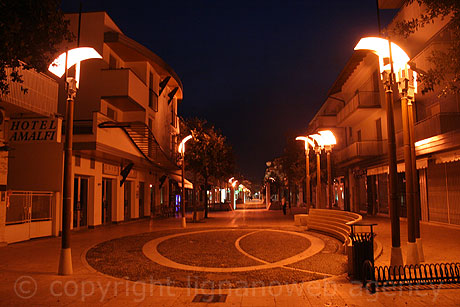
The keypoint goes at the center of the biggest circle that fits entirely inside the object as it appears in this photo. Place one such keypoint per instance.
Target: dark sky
(258, 70)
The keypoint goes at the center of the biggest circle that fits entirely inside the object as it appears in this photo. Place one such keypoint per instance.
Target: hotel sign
(31, 130)
(109, 169)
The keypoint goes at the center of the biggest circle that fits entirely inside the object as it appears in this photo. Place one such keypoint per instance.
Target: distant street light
(181, 150)
(59, 67)
(232, 193)
(307, 141)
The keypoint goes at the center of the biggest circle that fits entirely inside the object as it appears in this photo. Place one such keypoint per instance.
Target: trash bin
(362, 247)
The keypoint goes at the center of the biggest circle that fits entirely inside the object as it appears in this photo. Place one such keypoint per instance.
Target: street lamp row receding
(324, 140)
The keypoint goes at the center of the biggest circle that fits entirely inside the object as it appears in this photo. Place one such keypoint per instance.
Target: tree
(208, 154)
(445, 70)
(293, 163)
(30, 32)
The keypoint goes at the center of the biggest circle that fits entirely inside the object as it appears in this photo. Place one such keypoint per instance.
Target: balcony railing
(362, 100)
(323, 121)
(361, 150)
(41, 96)
(437, 124)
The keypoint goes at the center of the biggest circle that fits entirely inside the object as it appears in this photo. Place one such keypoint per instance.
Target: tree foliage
(293, 161)
(208, 152)
(444, 73)
(30, 32)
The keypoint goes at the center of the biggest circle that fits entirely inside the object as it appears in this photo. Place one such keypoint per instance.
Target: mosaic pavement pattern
(220, 258)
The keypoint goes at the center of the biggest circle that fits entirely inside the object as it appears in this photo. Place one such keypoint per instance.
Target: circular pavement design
(151, 251)
(219, 258)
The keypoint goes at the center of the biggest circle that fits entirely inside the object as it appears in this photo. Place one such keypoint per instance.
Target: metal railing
(28, 206)
(410, 275)
(361, 149)
(436, 124)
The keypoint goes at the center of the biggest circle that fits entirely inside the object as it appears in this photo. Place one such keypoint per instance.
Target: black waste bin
(362, 248)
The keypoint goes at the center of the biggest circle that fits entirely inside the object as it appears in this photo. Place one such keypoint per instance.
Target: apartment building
(355, 110)
(125, 123)
(125, 114)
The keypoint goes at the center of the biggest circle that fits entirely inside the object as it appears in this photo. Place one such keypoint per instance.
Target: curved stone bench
(332, 222)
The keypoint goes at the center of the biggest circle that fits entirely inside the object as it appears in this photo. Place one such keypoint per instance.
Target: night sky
(258, 70)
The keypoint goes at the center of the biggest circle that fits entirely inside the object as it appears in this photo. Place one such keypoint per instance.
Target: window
(359, 135)
(77, 160)
(111, 113)
(113, 63)
(92, 163)
(153, 98)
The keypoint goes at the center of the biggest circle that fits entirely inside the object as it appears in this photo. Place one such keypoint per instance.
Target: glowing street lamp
(59, 67)
(181, 150)
(232, 192)
(317, 149)
(398, 60)
(329, 141)
(325, 140)
(308, 142)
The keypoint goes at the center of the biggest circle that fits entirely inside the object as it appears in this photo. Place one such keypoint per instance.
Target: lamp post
(329, 140)
(408, 88)
(232, 195)
(307, 141)
(317, 149)
(59, 67)
(181, 150)
(398, 60)
(418, 239)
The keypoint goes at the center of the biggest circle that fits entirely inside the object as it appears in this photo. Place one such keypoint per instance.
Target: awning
(178, 179)
(447, 157)
(401, 167)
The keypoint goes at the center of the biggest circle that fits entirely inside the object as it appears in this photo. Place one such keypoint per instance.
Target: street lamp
(181, 150)
(59, 67)
(307, 141)
(329, 140)
(232, 193)
(325, 140)
(398, 60)
(317, 149)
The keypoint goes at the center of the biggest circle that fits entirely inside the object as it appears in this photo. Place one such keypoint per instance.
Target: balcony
(437, 124)
(123, 89)
(322, 122)
(361, 150)
(358, 108)
(41, 97)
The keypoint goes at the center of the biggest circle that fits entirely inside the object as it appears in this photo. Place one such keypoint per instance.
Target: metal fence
(410, 275)
(28, 206)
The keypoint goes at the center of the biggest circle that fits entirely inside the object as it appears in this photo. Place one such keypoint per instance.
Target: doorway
(127, 200)
(80, 202)
(106, 201)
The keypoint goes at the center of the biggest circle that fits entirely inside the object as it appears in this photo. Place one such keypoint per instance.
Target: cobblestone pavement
(28, 269)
